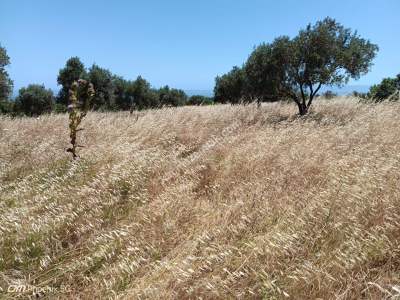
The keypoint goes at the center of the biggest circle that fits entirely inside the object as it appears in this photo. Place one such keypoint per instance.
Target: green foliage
(385, 89)
(6, 84)
(265, 70)
(103, 84)
(123, 93)
(143, 96)
(140, 91)
(34, 100)
(80, 95)
(171, 97)
(74, 70)
(200, 100)
(59, 108)
(229, 88)
(6, 107)
(112, 92)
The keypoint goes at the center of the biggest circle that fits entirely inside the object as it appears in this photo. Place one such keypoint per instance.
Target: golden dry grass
(214, 202)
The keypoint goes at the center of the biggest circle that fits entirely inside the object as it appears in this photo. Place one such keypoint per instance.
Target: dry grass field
(221, 202)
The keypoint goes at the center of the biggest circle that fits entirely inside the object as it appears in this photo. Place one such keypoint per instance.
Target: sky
(182, 43)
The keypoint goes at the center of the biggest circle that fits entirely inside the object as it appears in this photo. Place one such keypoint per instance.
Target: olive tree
(323, 54)
(229, 88)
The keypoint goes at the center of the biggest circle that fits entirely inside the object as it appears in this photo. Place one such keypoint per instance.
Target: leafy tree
(385, 89)
(327, 54)
(324, 54)
(122, 93)
(230, 87)
(265, 70)
(103, 83)
(74, 70)
(6, 84)
(152, 99)
(34, 100)
(171, 97)
(200, 100)
(143, 96)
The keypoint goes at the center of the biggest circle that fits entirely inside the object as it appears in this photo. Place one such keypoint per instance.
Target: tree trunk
(301, 104)
(303, 109)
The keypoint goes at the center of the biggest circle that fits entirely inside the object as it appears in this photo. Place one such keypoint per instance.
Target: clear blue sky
(182, 43)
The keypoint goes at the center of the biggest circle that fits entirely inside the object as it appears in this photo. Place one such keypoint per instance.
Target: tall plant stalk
(80, 95)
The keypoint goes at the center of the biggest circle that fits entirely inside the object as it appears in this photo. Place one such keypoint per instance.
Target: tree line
(323, 54)
(112, 92)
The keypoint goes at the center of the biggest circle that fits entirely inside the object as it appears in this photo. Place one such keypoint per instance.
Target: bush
(200, 100)
(385, 89)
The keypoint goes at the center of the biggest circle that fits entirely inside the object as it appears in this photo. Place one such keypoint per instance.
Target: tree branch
(313, 93)
(302, 94)
(296, 100)
(316, 91)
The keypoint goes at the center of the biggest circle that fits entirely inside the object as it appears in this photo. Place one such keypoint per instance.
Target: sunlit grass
(211, 202)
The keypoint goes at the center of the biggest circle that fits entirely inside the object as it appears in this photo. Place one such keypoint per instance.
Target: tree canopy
(230, 87)
(113, 92)
(122, 92)
(34, 100)
(385, 89)
(74, 70)
(104, 87)
(171, 97)
(266, 71)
